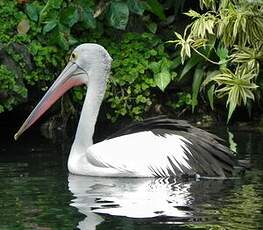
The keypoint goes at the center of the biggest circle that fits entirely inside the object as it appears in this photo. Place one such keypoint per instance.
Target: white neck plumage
(94, 96)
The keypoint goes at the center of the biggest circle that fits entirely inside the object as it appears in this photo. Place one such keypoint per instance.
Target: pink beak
(71, 76)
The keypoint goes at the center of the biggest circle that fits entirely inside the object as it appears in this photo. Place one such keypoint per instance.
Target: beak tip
(16, 136)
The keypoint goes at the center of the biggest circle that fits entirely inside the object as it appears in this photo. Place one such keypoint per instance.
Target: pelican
(157, 147)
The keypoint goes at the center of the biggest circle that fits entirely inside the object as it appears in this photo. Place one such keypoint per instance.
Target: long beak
(70, 77)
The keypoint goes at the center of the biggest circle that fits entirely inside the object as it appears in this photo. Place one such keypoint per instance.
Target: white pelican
(157, 147)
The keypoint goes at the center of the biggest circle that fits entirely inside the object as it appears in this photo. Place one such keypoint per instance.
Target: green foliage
(236, 86)
(49, 29)
(180, 101)
(140, 65)
(241, 24)
(197, 81)
(8, 11)
(231, 32)
(226, 38)
(203, 25)
(11, 91)
(45, 57)
(248, 58)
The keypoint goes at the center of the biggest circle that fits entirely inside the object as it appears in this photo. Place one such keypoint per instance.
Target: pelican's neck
(89, 114)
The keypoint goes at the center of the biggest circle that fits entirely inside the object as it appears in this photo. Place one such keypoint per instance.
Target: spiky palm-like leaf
(238, 87)
(247, 57)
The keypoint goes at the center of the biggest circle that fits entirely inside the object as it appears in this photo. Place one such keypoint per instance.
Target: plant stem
(206, 58)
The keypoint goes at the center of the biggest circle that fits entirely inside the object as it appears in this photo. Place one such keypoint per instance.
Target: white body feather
(133, 155)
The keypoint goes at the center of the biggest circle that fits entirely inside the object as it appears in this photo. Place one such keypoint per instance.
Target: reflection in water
(35, 193)
(140, 198)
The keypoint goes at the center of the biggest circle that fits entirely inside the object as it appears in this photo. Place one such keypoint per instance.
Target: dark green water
(36, 192)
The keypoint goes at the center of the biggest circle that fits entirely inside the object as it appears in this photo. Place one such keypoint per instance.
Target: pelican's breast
(142, 154)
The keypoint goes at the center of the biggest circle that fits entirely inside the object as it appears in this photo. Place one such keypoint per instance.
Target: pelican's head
(88, 64)
(89, 59)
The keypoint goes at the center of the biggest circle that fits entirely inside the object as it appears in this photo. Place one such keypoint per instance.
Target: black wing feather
(208, 156)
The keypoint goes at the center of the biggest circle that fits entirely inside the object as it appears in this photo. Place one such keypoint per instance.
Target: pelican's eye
(73, 57)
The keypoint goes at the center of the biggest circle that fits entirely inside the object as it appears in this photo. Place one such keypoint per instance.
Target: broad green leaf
(118, 15)
(165, 64)
(193, 61)
(156, 8)
(49, 26)
(197, 80)
(155, 67)
(136, 6)
(69, 16)
(59, 39)
(210, 95)
(162, 79)
(32, 12)
(232, 101)
(176, 62)
(152, 27)
(231, 109)
(88, 19)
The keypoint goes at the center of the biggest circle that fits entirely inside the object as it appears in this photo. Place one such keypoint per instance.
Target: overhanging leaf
(197, 80)
(162, 79)
(32, 12)
(88, 19)
(50, 25)
(136, 6)
(231, 109)
(176, 62)
(156, 8)
(210, 95)
(118, 15)
(69, 16)
(155, 66)
(152, 27)
(59, 38)
(193, 61)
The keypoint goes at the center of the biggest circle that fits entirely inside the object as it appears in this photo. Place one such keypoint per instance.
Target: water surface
(38, 193)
